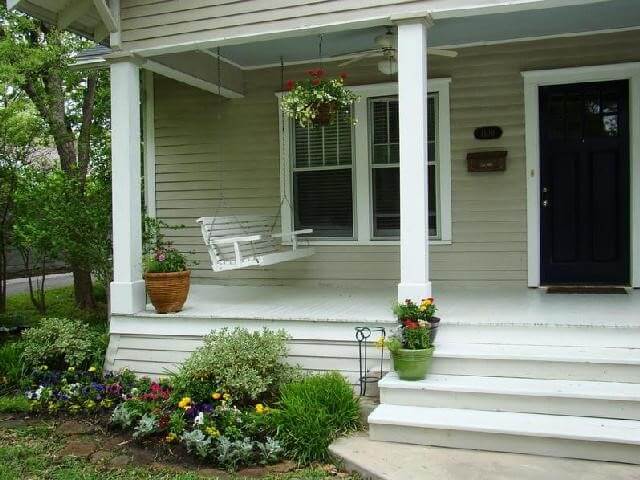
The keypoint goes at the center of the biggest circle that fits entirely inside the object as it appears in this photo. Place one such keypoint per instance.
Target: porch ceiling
(447, 32)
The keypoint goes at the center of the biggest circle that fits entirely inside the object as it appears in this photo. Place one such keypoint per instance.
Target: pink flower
(290, 85)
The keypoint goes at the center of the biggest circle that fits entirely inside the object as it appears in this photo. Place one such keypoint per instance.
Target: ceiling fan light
(388, 66)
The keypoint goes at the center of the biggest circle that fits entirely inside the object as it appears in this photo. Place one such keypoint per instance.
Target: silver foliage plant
(197, 442)
(147, 425)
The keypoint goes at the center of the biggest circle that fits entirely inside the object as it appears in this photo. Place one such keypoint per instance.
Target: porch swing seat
(242, 241)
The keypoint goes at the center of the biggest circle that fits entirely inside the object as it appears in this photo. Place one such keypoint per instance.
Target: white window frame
(361, 168)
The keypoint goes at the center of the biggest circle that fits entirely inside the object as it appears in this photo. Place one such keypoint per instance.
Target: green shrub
(60, 343)
(313, 412)
(14, 404)
(11, 366)
(247, 365)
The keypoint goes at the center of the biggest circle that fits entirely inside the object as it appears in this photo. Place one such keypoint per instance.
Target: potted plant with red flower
(317, 100)
(411, 344)
(166, 276)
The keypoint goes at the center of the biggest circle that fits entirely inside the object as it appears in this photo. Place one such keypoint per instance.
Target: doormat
(588, 290)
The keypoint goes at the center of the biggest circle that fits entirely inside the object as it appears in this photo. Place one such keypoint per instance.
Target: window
(385, 167)
(343, 181)
(323, 180)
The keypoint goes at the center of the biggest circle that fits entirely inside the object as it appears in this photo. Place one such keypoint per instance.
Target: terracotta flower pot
(325, 114)
(412, 364)
(168, 291)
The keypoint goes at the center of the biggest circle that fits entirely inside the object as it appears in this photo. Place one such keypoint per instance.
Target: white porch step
(556, 397)
(605, 364)
(545, 333)
(557, 436)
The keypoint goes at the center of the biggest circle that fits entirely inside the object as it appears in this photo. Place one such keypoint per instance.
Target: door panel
(585, 224)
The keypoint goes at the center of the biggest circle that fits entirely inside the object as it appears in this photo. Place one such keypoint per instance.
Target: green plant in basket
(317, 100)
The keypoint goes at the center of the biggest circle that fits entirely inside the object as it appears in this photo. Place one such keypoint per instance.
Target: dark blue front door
(584, 138)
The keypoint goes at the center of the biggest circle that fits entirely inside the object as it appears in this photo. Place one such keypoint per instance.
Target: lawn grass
(60, 303)
(32, 452)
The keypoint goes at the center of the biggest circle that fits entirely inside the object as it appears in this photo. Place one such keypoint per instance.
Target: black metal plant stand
(363, 334)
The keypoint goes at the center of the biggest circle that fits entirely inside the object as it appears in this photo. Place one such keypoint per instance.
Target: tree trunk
(83, 289)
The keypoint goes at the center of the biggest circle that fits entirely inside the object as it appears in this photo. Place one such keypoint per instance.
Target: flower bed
(233, 403)
(216, 431)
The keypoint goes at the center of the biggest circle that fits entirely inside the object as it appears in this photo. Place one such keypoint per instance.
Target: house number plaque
(487, 133)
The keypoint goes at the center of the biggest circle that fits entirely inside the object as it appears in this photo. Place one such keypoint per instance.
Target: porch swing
(241, 241)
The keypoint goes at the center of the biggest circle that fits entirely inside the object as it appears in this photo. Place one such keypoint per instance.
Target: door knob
(545, 203)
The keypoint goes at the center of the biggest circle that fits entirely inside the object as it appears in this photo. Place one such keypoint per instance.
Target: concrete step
(555, 397)
(551, 435)
(605, 364)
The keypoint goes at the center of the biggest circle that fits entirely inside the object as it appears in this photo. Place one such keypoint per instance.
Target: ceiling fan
(387, 46)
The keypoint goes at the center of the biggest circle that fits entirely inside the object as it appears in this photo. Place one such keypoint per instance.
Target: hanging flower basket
(317, 101)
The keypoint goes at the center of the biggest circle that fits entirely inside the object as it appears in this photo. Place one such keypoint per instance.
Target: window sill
(357, 243)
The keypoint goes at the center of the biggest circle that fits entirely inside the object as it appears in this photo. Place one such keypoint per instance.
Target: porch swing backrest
(222, 228)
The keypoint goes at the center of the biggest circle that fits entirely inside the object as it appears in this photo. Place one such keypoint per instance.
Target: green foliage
(165, 260)
(61, 217)
(313, 412)
(73, 106)
(60, 343)
(11, 366)
(248, 365)
(159, 256)
(177, 422)
(301, 103)
(14, 404)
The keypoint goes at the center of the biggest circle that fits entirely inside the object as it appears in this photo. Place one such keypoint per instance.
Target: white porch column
(127, 288)
(414, 214)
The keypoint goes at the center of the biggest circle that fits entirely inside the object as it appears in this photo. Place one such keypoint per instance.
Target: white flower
(199, 420)
(38, 392)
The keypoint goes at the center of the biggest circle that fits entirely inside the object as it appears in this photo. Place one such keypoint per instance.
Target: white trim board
(149, 137)
(361, 168)
(533, 80)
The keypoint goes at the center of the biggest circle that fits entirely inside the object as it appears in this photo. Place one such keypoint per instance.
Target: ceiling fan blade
(442, 53)
(362, 56)
(342, 55)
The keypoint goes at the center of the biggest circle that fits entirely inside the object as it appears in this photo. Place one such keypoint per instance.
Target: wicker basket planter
(168, 291)
(325, 113)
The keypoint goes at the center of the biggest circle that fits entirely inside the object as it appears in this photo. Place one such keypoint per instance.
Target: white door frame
(562, 76)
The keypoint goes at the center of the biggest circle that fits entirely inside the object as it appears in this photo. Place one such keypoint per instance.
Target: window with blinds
(385, 167)
(323, 178)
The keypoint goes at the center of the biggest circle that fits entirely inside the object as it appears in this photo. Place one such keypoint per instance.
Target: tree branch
(84, 138)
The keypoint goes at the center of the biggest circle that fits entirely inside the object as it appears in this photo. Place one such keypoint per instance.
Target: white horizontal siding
(203, 142)
(159, 355)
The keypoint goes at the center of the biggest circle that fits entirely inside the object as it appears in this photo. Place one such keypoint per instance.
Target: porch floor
(456, 305)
